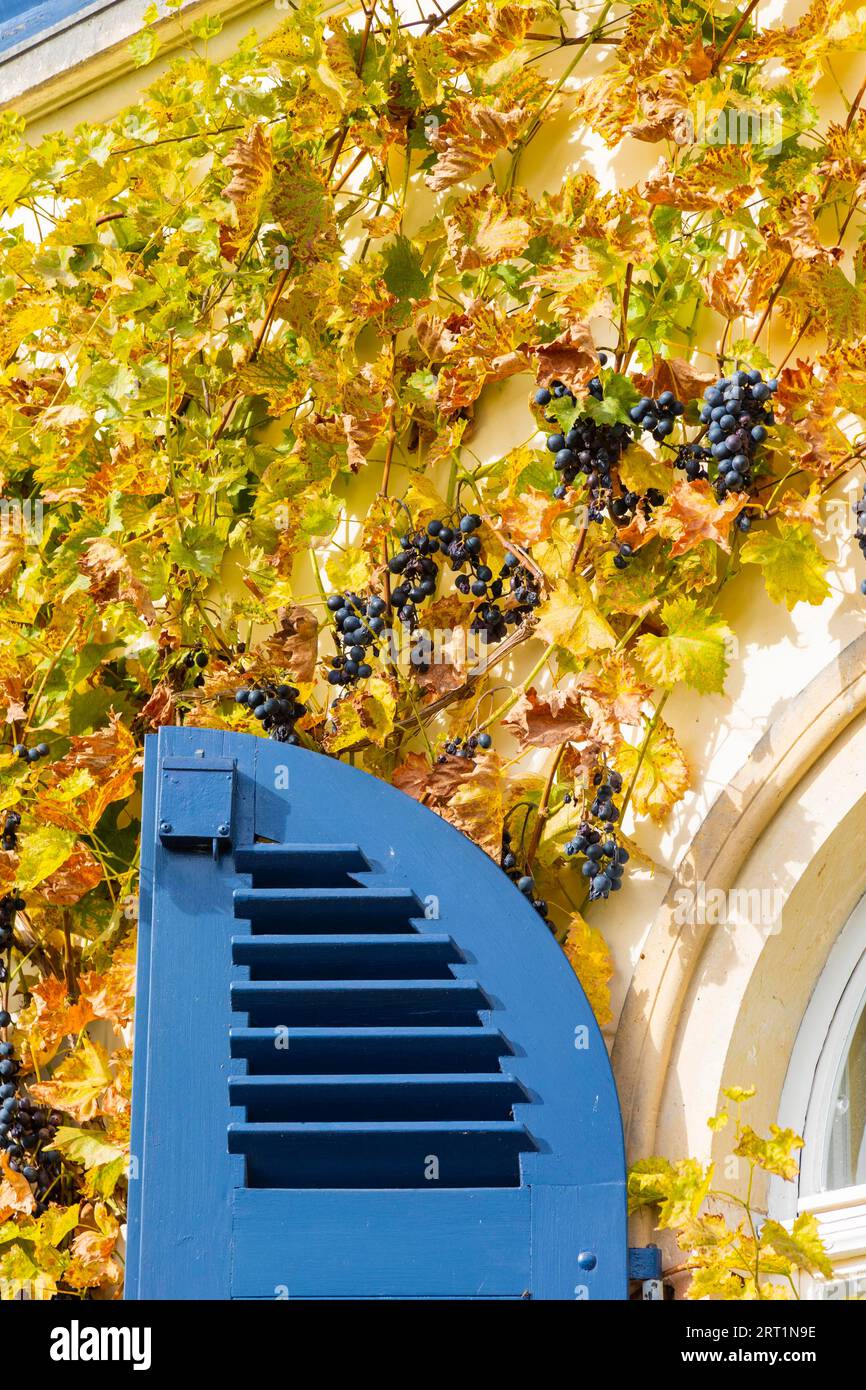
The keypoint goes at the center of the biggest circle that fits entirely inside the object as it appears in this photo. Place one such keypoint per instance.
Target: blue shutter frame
(363, 1067)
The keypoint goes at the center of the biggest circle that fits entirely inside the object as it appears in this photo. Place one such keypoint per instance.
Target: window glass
(846, 1140)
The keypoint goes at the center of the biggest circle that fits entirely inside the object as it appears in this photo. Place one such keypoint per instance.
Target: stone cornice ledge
(811, 722)
(90, 50)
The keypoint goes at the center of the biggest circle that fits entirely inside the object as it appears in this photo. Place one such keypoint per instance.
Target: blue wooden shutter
(363, 1067)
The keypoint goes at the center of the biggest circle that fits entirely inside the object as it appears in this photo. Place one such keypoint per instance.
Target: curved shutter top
(507, 955)
(371, 1015)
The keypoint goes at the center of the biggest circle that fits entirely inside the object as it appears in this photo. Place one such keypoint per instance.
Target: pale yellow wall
(778, 654)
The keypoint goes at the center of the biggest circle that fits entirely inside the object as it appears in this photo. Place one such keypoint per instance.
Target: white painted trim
(78, 16)
(89, 50)
(841, 1220)
(813, 1069)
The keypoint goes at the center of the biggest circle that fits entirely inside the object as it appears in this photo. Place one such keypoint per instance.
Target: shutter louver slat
(356, 1129)
(452, 1096)
(277, 1002)
(367, 1051)
(347, 957)
(300, 866)
(328, 909)
(371, 1154)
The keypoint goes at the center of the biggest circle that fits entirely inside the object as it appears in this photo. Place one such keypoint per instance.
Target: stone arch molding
(713, 1004)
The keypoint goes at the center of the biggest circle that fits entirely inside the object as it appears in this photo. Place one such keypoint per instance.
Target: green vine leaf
(694, 648)
(791, 563)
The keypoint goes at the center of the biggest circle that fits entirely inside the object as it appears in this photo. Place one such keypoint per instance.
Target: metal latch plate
(196, 797)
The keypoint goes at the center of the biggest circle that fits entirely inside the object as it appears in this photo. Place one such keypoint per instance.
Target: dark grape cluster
(32, 755)
(196, 660)
(522, 583)
(465, 747)
(524, 881)
(604, 857)
(694, 459)
(503, 600)
(589, 450)
(359, 622)
(860, 531)
(737, 412)
(659, 417)
(11, 822)
(276, 706)
(490, 619)
(418, 570)
(592, 450)
(25, 1128)
(10, 903)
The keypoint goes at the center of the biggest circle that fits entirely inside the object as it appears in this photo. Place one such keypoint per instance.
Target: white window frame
(807, 1098)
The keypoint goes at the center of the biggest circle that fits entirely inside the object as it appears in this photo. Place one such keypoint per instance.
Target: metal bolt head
(586, 1260)
(165, 827)
(223, 829)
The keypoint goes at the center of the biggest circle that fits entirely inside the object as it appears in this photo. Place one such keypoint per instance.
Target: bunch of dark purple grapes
(11, 822)
(459, 747)
(588, 449)
(604, 856)
(860, 531)
(524, 881)
(490, 620)
(694, 459)
(277, 708)
(195, 661)
(25, 1130)
(592, 450)
(10, 903)
(460, 548)
(31, 755)
(418, 570)
(737, 412)
(359, 622)
(659, 417)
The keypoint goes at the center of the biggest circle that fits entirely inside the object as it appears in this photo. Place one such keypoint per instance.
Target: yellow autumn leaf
(251, 163)
(570, 619)
(775, 1154)
(79, 1081)
(591, 961)
(367, 716)
(802, 1245)
(42, 852)
(662, 774)
(15, 1191)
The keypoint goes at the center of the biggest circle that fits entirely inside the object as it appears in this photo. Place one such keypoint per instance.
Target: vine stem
(68, 967)
(578, 549)
(524, 685)
(852, 111)
(436, 20)
(258, 343)
(644, 749)
(544, 806)
(558, 84)
(733, 36)
(74, 631)
(622, 344)
(563, 41)
(383, 493)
